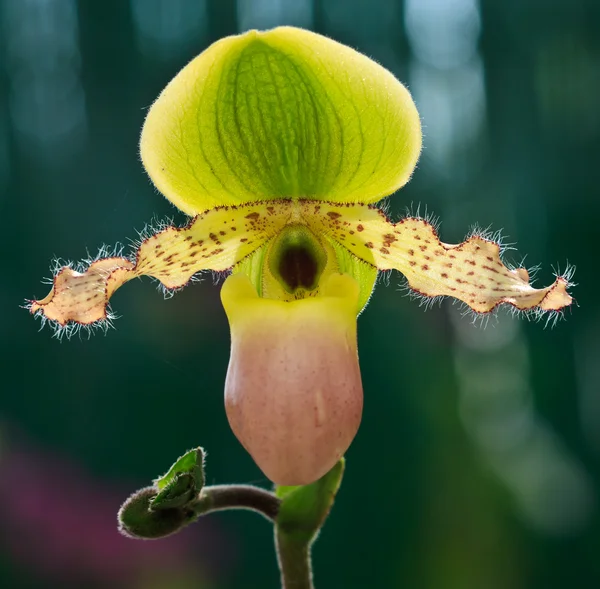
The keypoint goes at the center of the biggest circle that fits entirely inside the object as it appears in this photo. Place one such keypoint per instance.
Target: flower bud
(293, 392)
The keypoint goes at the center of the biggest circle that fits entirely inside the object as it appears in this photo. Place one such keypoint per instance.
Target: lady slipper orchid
(276, 144)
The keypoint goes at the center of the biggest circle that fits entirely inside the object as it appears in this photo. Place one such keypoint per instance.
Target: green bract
(278, 114)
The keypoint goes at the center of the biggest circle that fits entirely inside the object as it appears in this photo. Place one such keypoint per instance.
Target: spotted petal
(215, 240)
(471, 271)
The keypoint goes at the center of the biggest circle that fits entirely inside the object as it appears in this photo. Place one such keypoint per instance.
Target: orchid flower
(277, 144)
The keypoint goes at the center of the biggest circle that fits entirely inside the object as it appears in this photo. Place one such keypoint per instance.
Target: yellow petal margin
(280, 114)
(215, 240)
(471, 272)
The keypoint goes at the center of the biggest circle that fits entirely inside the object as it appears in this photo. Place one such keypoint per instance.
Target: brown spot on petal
(408, 251)
(172, 256)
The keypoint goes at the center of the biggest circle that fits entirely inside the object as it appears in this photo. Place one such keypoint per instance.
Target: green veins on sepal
(279, 114)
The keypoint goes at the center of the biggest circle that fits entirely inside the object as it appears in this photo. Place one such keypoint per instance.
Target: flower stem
(293, 553)
(294, 561)
(179, 498)
(221, 497)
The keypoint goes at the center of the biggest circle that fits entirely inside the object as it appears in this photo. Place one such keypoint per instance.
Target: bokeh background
(476, 466)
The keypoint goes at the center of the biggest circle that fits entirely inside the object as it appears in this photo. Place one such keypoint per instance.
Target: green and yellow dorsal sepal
(283, 113)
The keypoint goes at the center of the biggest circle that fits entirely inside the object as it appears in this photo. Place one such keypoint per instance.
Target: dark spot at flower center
(298, 268)
(297, 259)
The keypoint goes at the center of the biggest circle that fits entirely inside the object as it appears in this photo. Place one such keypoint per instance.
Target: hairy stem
(220, 497)
(293, 552)
(294, 561)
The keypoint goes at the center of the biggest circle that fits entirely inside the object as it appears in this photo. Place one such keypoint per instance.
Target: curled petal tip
(557, 297)
(82, 297)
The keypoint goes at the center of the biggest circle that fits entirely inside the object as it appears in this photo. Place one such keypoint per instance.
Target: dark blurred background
(476, 466)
